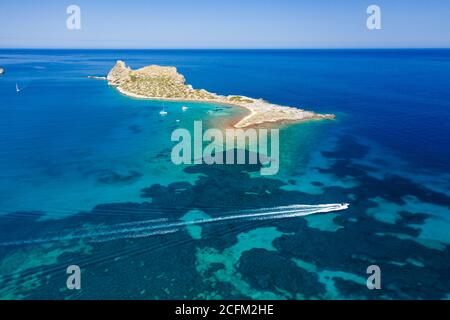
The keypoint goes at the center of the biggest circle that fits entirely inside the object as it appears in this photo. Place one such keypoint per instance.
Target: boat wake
(146, 228)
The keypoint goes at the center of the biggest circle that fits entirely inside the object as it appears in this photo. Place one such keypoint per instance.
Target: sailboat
(17, 88)
(163, 112)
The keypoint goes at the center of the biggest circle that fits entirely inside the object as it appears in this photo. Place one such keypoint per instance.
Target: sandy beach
(165, 83)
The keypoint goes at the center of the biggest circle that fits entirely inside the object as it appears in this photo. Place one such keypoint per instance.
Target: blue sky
(224, 24)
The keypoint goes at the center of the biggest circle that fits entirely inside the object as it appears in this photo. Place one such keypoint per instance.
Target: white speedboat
(184, 108)
(17, 88)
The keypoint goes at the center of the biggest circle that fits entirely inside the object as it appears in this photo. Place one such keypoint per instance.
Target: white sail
(163, 112)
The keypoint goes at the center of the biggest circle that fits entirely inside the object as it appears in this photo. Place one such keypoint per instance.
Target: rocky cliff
(119, 74)
(160, 82)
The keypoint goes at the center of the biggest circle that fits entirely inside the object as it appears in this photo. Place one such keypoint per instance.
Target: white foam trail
(136, 235)
(144, 228)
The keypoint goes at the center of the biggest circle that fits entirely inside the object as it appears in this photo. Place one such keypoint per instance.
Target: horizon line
(262, 48)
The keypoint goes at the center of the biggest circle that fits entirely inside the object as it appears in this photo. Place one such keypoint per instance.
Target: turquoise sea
(86, 178)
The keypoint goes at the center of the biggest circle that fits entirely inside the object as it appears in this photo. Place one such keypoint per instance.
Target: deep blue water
(69, 144)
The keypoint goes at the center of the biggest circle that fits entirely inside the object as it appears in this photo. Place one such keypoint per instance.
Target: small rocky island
(165, 83)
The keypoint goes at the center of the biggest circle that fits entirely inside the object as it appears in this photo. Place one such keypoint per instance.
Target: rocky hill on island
(161, 82)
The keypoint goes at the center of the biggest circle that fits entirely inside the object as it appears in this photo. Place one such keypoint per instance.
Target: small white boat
(184, 108)
(17, 88)
(163, 112)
